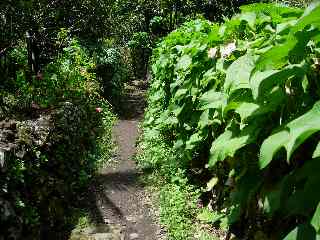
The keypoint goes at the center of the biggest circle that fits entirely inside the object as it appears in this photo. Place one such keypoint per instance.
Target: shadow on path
(133, 102)
(116, 197)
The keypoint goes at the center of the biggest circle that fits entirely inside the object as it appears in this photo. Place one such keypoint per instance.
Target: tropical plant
(240, 100)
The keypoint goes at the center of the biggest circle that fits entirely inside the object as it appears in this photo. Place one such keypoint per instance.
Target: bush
(140, 51)
(112, 69)
(69, 76)
(240, 100)
(53, 144)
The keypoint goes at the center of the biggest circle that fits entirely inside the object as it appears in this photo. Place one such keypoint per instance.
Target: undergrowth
(62, 126)
(174, 195)
(234, 109)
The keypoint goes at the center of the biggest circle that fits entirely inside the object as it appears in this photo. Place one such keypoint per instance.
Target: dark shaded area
(45, 159)
(97, 196)
(115, 192)
(133, 102)
(96, 203)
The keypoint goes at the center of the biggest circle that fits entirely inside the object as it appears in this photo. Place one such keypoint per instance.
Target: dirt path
(118, 203)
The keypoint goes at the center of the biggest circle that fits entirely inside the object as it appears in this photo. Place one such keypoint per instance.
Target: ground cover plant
(112, 69)
(239, 103)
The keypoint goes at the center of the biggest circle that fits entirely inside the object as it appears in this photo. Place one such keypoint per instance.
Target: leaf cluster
(241, 99)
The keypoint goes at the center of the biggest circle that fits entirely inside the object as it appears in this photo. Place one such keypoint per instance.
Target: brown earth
(118, 204)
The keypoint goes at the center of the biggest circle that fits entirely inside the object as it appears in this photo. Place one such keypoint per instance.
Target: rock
(2, 158)
(34, 132)
(107, 220)
(133, 236)
(105, 236)
(98, 232)
(131, 219)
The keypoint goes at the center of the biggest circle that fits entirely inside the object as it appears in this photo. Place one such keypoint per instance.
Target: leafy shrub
(140, 51)
(69, 76)
(112, 69)
(58, 142)
(140, 39)
(241, 101)
(58, 154)
(11, 60)
(294, 3)
(157, 25)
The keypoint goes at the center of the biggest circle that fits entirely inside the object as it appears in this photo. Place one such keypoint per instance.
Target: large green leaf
(235, 214)
(315, 221)
(204, 119)
(276, 11)
(277, 56)
(246, 109)
(302, 232)
(238, 74)
(194, 140)
(184, 63)
(311, 16)
(271, 102)
(181, 93)
(244, 105)
(208, 216)
(261, 83)
(250, 18)
(272, 201)
(176, 109)
(212, 100)
(291, 136)
(228, 143)
(316, 152)
(301, 197)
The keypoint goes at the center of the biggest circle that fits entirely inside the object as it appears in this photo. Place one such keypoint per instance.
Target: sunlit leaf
(238, 74)
(228, 143)
(315, 222)
(291, 136)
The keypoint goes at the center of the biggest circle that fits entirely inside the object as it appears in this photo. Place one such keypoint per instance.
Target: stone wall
(44, 162)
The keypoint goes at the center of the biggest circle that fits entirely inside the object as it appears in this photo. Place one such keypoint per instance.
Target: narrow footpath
(118, 205)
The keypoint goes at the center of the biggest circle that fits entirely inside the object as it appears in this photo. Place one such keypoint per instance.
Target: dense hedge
(55, 130)
(240, 102)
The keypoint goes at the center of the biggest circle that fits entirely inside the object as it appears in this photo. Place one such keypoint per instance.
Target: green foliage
(294, 3)
(230, 97)
(44, 183)
(140, 40)
(112, 69)
(177, 198)
(158, 25)
(41, 184)
(140, 51)
(177, 208)
(69, 76)
(90, 20)
(86, 19)
(19, 55)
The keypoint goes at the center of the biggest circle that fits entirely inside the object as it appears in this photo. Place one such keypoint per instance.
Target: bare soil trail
(117, 202)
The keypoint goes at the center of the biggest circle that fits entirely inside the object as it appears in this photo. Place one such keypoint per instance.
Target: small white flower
(212, 53)
(227, 50)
